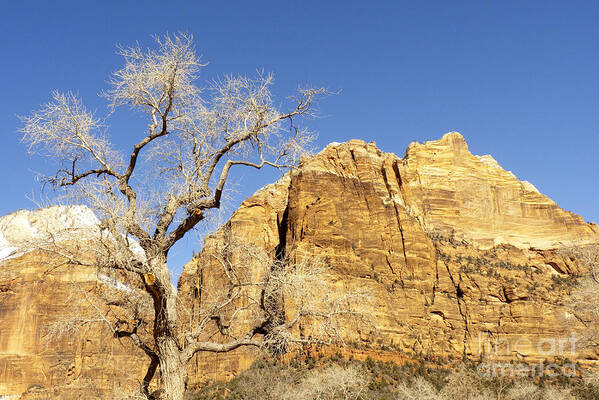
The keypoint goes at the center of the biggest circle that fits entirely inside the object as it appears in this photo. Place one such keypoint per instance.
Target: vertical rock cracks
(356, 206)
(397, 215)
(461, 303)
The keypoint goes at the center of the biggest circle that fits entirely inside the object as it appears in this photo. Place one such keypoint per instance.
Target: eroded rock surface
(42, 356)
(461, 257)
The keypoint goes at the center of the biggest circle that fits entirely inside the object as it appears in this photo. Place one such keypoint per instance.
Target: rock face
(461, 258)
(37, 359)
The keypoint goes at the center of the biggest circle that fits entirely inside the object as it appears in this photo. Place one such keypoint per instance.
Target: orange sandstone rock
(462, 259)
(39, 359)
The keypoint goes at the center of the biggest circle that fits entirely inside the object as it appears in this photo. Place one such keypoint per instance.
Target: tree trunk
(172, 371)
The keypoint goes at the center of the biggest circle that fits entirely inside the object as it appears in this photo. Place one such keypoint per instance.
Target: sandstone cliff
(35, 294)
(462, 258)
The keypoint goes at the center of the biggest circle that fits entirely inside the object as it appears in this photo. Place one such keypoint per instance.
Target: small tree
(152, 196)
(584, 299)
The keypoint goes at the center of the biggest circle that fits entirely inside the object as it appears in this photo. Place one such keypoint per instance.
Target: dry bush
(419, 389)
(329, 383)
(524, 391)
(554, 393)
(269, 381)
(464, 383)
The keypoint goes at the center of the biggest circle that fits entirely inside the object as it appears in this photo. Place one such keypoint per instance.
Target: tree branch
(213, 347)
(74, 178)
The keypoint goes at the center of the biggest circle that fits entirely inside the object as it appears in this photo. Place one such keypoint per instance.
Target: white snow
(24, 229)
(115, 284)
(6, 250)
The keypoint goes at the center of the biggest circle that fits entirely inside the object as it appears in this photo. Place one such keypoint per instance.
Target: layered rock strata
(53, 343)
(461, 258)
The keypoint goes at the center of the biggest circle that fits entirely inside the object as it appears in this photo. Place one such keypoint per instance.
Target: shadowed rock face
(460, 255)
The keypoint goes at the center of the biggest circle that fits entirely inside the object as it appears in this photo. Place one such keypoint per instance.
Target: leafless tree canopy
(178, 168)
(150, 196)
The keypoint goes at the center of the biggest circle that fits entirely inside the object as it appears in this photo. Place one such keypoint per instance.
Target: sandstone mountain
(460, 257)
(35, 294)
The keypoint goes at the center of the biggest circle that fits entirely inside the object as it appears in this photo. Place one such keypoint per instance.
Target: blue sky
(518, 79)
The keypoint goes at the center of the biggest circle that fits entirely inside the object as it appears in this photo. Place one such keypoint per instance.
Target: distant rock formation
(463, 259)
(35, 293)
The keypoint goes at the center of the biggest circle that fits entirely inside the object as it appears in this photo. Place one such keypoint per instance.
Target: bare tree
(584, 300)
(152, 196)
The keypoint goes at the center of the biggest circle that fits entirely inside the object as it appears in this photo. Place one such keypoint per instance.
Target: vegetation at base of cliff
(332, 378)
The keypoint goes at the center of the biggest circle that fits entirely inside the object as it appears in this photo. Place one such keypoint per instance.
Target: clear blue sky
(519, 79)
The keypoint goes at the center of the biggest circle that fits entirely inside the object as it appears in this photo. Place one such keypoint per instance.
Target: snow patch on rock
(115, 284)
(6, 250)
(23, 230)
